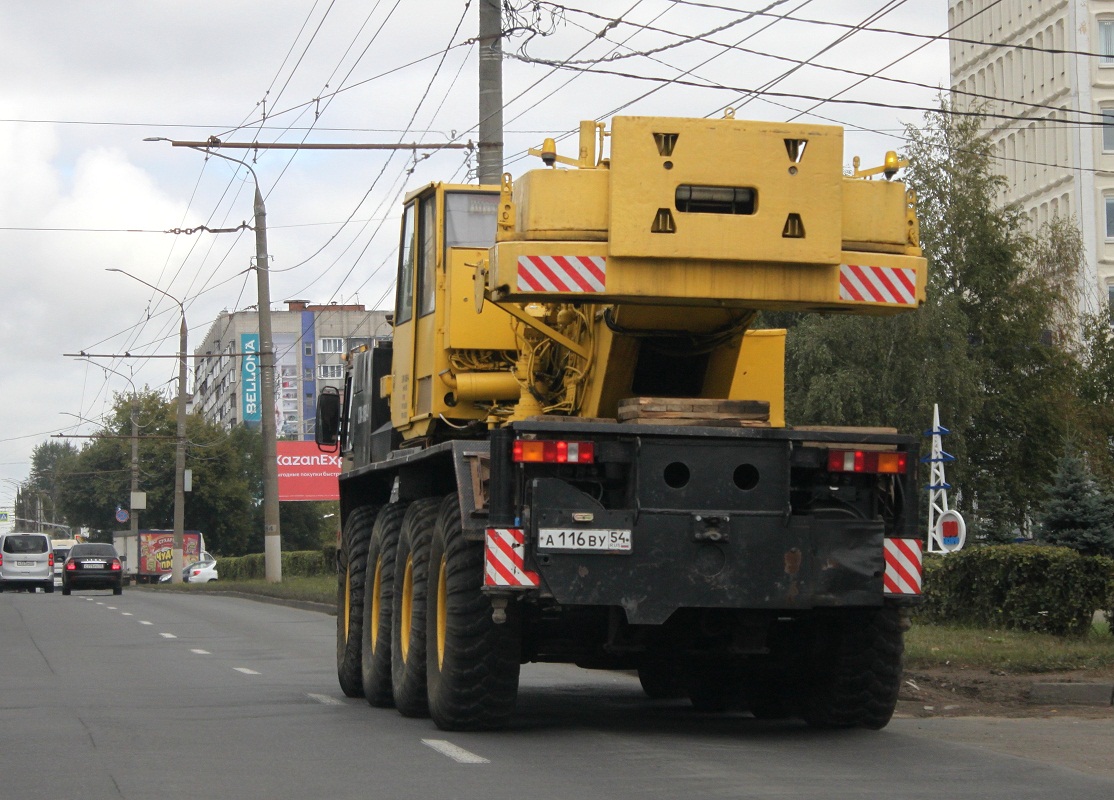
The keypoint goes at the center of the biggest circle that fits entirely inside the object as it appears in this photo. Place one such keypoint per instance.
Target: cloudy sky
(81, 192)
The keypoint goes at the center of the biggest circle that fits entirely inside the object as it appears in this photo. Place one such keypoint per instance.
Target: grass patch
(318, 589)
(929, 646)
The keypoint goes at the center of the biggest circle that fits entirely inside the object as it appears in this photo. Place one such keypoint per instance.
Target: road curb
(1088, 694)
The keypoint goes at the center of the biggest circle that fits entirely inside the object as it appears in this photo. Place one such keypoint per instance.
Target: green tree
(1079, 513)
(984, 346)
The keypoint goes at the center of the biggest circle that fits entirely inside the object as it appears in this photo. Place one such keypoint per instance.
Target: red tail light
(553, 451)
(71, 565)
(50, 559)
(868, 461)
(1, 559)
(116, 563)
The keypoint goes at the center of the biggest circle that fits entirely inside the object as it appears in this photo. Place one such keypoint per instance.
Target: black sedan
(93, 566)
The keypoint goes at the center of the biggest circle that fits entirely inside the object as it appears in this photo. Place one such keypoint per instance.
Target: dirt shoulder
(973, 692)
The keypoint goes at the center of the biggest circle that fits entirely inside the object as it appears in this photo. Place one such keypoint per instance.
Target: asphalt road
(167, 695)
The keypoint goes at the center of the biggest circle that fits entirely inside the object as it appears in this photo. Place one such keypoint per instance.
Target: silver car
(26, 562)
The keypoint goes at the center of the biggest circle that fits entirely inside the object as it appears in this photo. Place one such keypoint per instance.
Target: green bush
(297, 564)
(1031, 588)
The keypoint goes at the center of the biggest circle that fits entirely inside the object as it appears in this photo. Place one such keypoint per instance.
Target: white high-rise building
(310, 342)
(1057, 153)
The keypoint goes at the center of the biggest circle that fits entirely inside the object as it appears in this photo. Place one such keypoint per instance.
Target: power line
(910, 34)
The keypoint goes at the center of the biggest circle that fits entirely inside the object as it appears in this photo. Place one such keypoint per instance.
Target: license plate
(94, 565)
(604, 541)
(25, 563)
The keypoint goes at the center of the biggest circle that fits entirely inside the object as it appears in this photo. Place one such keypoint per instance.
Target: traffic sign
(121, 515)
(951, 531)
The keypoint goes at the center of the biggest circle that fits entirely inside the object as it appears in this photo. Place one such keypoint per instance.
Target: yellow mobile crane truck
(574, 449)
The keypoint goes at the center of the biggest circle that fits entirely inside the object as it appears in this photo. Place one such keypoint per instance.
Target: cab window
(404, 289)
(427, 256)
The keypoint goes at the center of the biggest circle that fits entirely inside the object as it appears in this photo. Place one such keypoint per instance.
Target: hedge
(1031, 588)
(296, 564)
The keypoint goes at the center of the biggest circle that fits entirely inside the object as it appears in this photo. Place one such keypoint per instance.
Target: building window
(1108, 130)
(1109, 216)
(309, 351)
(331, 346)
(336, 371)
(1110, 300)
(1106, 42)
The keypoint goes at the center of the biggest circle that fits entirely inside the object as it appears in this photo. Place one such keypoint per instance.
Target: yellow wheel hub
(442, 612)
(407, 607)
(347, 600)
(374, 621)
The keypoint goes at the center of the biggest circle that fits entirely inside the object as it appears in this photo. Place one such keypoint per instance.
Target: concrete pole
(272, 539)
(490, 167)
(177, 554)
(135, 469)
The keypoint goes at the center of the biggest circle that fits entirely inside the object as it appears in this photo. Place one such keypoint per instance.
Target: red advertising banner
(305, 473)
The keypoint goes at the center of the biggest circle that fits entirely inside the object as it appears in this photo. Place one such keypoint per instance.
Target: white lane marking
(246, 671)
(99, 603)
(125, 613)
(168, 636)
(324, 699)
(201, 652)
(145, 622)
(458, 754)
(111, 608)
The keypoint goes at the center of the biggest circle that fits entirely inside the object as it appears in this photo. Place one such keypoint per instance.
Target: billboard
(250, 411)
(305, 473)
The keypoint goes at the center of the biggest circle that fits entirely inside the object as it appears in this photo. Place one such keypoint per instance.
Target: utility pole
(272, 537)
(135, 470)
(177, 554)
(490, 166)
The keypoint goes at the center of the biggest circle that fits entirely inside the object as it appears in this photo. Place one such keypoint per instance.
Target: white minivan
(26, 562)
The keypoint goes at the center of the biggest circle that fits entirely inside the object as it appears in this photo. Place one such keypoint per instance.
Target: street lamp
(272, 538)
(134, 506)
(177, 556)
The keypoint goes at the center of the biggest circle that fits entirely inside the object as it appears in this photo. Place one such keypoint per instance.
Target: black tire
(375, 636)
(857, 685)
(472, 664)
(351, 563)
(66, 591)
(710, 690)
(408, 684)
(661, 680)
(117, 590)
(49, 588)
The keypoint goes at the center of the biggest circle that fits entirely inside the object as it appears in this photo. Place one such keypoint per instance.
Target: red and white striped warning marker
(504, 559)
(562, 273)
(896, 285)
(903, 566)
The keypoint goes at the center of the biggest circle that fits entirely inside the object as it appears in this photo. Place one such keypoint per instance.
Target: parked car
(198, 572)
(26, 562)
(93, 565)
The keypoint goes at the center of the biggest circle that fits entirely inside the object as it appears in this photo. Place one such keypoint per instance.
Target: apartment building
(309, 340)
(1047, 66)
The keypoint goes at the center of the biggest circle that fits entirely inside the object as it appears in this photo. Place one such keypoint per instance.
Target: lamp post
(177, 557)
(272, 538)
(132, 504)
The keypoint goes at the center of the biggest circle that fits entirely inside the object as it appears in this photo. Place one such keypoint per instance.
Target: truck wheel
(861, 675)
(411, 577)
(375, 638)
(661, 681)
(472, 664)
(710, 690)
(351, 563)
